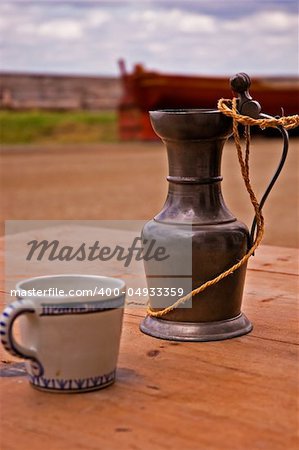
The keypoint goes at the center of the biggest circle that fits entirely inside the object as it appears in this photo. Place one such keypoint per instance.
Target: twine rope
(287, 122)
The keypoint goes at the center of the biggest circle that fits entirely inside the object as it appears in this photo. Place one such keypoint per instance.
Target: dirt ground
(127, 181)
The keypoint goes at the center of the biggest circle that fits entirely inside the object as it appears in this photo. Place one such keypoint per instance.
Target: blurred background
(78, 77)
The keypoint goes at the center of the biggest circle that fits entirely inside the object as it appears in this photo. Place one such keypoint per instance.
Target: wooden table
(237, 394)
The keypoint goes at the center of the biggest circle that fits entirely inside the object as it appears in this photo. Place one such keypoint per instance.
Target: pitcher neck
(199, 161)
(194, 193)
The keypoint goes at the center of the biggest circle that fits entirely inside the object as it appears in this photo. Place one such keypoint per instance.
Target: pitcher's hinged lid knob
(240, 84)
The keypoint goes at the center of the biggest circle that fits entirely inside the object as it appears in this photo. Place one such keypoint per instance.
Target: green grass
(29, 127)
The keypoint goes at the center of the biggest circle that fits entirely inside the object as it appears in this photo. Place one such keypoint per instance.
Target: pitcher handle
(240, 84)
(285, 148)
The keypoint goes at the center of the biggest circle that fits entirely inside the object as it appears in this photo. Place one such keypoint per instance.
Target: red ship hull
(145, 91)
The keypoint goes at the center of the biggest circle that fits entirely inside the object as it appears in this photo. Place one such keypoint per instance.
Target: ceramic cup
(70, 341)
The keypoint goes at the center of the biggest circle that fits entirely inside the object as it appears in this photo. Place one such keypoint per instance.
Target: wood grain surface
(233, 395)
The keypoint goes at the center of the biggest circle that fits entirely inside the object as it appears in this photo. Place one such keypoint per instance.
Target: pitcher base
(196, 331)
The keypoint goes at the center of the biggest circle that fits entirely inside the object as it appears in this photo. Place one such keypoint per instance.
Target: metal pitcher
(195, 212)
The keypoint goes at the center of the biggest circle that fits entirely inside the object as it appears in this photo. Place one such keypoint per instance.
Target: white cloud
(275, 21)
(60, 29)
(96, 18)
(265, 23)
(157, 47)
(173, 19)
(197, 23)
(170, 39)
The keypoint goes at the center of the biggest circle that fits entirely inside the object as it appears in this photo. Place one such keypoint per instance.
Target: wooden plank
(236, 394)
(270, 301)
(267, 297)
(275, 259)
(233, 394)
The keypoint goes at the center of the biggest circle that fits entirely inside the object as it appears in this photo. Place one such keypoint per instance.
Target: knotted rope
(286, 122)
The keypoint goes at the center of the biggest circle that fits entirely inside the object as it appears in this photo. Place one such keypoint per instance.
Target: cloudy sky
(177, 36)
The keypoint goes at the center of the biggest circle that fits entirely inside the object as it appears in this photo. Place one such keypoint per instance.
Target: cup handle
(8, 316)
